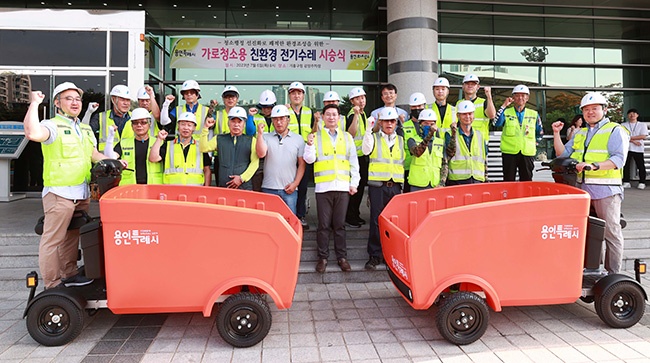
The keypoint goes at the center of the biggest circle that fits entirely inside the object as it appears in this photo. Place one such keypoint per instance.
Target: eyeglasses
(72, 99)
(390, 121)
(140, 123)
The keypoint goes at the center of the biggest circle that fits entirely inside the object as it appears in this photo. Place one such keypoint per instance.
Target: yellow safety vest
(331, 160)
(386, 164)
(180, 171)
(154, 170)
(305, 122)
(67, 160)
(201, 113)
(127, 132)
(596, 152)
(425, 169)
(409, 132)
(444, 122)
(517, 138)
(468, 163)
(260, 119)
(361, 130)
(106, 121)
(481, 121)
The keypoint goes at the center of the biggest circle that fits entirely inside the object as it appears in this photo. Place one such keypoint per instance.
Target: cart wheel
(587, 299)
(244, 319)
(54, 320)
(621, 305)
(462, 318)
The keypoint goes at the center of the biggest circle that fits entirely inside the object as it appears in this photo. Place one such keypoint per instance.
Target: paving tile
(568, 354)
(484, 357)
(118, 333)
(98, 358)
(512, 356)
(272, 355)
(622, 351)
(356, 337)
(327, 326)
(164, 345)
(406, 335)
(127, 358)
(595, 353)
(305, 354)
(541, 355)
(107, 347)
(157, 357)
(187, 357)
(276, 341)
(330, 339)
(133, 346)
(301, 326)
(323, 315)
(390, 350)
(192, 344)
(333, 354)
(303, 340)
(251, 354)
(362, 351)
(382, 336)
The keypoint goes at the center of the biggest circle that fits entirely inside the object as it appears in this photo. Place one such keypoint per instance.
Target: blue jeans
(290, 199)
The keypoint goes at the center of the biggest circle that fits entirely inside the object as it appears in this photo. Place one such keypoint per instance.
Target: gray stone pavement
(346, 322)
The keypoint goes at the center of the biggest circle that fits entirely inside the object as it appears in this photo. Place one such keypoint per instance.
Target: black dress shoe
(361, 221)
(372, 263)
(320, 266)
(352, 224)
(345, 265)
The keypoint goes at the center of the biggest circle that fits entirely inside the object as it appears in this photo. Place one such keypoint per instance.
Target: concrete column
(412, 47)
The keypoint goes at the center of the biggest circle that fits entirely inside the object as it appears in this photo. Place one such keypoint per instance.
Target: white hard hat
(417, 99)
(331, 96)
(388, 113)
(280, 111)
(465, 106)
(441, 81)
(142, 94)
(121, 91)
(593, 98)
(140, 113)
(187, 116)
(230, 89)
(66, 86)
(190, 84)
(238, 112)
(427, 115)
(356, 92)
(267, 98)
(471, 78)
(296, 85)
(520, 88)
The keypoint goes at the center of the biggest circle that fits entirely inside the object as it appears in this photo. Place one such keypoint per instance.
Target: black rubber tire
(253, 311)
(462, 317)
(54, 320)
(621, 305)
(587, 299)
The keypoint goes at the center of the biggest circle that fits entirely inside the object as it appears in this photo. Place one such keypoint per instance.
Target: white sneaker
(641, 186)
(627, 185)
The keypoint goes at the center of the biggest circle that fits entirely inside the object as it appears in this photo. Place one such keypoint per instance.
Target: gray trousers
(331, 207)
(609, 209)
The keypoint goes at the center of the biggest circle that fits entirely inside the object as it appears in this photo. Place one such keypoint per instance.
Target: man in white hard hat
(336, 174)
(445, 113)
(147, 100)
(191, 93)
(65, 179)
(465, 149)
(417, 102)
(388, 94)
(118, 115)
(600, 169)
(238, 159)
(356, 124)
(135, 151)
(183, 162)
(385, 174)
(484, 107)
(262, 113)
(428, 164)
(522, 127)
(330, 98)
(301, 122)
(282, 152)
(638, 132)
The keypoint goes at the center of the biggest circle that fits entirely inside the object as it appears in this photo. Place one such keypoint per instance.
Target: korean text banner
(248, 53)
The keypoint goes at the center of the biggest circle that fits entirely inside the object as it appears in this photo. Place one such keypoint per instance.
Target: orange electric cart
(500, 244)
(165, 249)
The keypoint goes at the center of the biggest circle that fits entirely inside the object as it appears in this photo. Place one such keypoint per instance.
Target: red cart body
(520, 243)
(179, 248)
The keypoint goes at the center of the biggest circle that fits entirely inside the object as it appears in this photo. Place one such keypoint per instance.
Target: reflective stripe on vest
(596, 152)
(154, 170)
(105, 120)
(258, 119)
(67, 160)
(305, 122)
(425, 169)
(468, 163)
(386, 164)
(444, 123)
(183, 172)
(361, 130)
(409, 132)
(331, 160)
(517, 137)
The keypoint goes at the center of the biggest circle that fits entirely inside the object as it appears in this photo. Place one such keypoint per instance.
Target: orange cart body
(179, 248)
(521, 243)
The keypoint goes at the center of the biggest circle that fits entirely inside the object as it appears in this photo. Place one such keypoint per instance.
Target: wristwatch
(596, 166)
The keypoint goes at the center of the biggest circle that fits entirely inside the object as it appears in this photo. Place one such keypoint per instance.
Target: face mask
(425, 130)
(415, 113)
